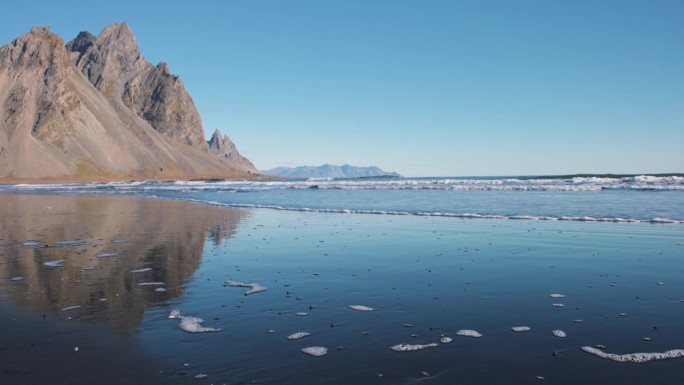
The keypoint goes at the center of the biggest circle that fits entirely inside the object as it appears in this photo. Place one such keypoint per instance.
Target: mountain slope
(89, 111)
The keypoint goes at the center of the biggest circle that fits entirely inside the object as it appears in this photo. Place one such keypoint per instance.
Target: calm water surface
(438, 275)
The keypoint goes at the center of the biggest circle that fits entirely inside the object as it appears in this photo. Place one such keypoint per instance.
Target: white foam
(445, 340)
(56, 263)
(316, 351)
(468, 333)
(636, 358)
(144, 270)
(360, 308)
(151, 284)
(412, 348)
(17, 279)
(32, 244)
(194, 325)
(521, 329)
(559, 333)
(107, 255)
(556, 295)
(254, 287)
(298, 335)
(301, 314)
(174, 314)
(160, 290)
(71, 308)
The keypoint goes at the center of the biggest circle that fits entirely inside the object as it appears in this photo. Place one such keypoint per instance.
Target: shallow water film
(350, 287)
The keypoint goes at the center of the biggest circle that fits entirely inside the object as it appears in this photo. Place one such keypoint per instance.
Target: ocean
(637, 198)
(527, 280)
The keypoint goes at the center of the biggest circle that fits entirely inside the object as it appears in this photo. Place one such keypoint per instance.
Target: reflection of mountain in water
(166, 236)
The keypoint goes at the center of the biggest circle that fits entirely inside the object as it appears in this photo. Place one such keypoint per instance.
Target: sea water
(425, 279)
(642, 198)
(599, 260)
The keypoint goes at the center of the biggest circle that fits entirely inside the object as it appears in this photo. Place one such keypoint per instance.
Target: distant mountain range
(95, 109)
(329, 171)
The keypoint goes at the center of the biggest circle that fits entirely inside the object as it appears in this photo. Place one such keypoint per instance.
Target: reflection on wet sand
(118, 235)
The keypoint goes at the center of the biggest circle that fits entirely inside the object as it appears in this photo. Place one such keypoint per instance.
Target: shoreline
(437, 274)
(75, 179)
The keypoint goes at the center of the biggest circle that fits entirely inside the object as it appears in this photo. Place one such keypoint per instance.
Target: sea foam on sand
(191, 324)
(254, 287)
(298, 335)
(637, 358)
(521, 328)
(468, 333)
(194, 325)
(360, 308)
(316, 351)
(411, 348)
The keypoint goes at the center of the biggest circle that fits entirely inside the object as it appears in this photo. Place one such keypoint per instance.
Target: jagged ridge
(96, 109)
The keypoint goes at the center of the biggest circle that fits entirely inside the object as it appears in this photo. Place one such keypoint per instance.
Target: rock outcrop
(225, 150)
(95, 109)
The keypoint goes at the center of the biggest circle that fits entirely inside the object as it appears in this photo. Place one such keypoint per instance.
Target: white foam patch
(107, 255)
(151, 284)
(412, 348)
(316, 351)
(144, 270)
(468, 333)
(175, 314)
(32, 244)
(71, 308)
(559, 333)
(53, 264)
(445, 340)
(521, 329)
(556, 295)
(360, 308)
(194, 325)
(637, 358)
(254, 287)
(17, 279)
(298, 336)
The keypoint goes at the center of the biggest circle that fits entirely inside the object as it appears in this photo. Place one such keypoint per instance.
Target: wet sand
(77, 323)
(44, 350)
(424, 279)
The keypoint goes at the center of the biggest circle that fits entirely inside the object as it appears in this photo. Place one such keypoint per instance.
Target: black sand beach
(103, 273)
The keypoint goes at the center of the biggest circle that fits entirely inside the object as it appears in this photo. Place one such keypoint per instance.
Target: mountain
(328, 171)
(95, 109)
(225, 150)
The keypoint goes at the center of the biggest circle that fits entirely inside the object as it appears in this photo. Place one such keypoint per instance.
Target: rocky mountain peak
(109, 60)
(226, 151)
(121, 118)
(38, 48)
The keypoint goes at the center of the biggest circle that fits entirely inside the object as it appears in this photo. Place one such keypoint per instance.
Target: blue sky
(418, 87)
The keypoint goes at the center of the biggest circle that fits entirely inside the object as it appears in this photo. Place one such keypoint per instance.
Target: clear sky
(424, 88)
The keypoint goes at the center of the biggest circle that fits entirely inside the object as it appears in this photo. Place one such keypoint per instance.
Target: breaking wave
(657, 199)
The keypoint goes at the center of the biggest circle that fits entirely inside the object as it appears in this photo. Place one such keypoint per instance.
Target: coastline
(424, 277)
